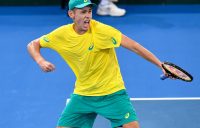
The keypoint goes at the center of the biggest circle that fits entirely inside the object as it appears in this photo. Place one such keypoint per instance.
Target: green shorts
(81, 111)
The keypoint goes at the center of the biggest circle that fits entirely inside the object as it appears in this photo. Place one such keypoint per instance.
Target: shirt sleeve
(44, 41)
(49, 40)
(105, 36)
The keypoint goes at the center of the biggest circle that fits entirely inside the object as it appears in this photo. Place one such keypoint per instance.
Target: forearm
(140, 50)
(34, 50)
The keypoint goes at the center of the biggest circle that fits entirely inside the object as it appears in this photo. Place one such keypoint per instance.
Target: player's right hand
(46, 66)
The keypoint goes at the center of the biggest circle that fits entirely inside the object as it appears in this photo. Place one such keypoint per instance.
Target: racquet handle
(163, 77)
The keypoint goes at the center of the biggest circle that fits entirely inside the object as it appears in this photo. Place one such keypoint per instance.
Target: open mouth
(86, 21)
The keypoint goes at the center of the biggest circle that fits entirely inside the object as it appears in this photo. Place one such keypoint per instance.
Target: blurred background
(57, 2)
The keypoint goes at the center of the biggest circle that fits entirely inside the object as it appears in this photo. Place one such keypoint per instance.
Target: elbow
(29, 45)
(33, 44)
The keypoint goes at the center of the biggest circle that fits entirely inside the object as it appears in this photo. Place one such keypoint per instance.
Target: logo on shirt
(127, 115)
(114, 41)
(91, 47)
(45, 39)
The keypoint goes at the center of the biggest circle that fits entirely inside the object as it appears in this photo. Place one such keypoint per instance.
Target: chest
(78, 47)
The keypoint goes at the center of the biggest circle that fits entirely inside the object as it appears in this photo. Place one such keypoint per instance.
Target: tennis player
(88, 47)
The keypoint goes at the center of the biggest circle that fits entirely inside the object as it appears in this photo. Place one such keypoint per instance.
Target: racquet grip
(163, 77)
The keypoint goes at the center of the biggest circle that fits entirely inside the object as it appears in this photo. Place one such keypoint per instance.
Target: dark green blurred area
(57, 2)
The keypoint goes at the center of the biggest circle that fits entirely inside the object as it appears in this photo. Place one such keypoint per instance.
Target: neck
(78, 31)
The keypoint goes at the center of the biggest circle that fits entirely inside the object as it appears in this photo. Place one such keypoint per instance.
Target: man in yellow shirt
(88, 47)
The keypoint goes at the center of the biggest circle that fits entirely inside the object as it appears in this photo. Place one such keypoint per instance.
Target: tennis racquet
(176, 72)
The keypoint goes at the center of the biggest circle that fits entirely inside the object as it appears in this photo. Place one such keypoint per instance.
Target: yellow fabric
(91, 56)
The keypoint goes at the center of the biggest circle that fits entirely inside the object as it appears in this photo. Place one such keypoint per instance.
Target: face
(81, 18)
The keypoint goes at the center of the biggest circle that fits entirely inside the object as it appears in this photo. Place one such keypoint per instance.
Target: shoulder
(99, 25)
(62, 29)
(102, 29)
(58, 33)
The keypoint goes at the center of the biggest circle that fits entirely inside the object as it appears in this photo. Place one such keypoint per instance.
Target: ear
(71, 14)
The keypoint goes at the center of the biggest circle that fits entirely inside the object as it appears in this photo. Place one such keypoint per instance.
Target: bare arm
(140, 50)
(34, 50)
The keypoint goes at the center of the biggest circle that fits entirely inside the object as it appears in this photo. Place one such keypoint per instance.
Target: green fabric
(81, 111)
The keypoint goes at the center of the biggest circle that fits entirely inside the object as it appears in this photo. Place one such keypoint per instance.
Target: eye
(83, 11)
(90, 11)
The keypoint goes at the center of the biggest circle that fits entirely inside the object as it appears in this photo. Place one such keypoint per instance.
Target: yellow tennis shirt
(91, 56)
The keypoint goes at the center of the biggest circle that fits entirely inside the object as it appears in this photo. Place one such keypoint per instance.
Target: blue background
(30, 98)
